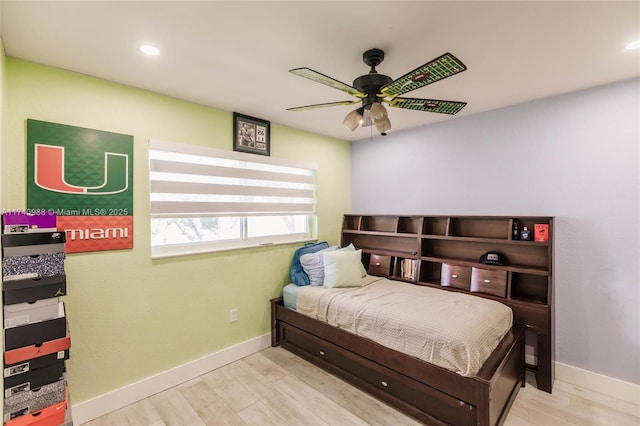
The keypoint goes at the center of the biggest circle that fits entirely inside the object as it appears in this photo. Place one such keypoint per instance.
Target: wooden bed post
(544, 371)
(275, 334)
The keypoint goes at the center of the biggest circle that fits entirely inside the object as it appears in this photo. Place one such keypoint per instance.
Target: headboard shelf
(490, 240)
(417, 249)
(393, 242)
(383, 233)
(524, 269)
(379, 223)
(435, 225)
(396, 253)
(479, 227)
(410, 225)
(351, 222)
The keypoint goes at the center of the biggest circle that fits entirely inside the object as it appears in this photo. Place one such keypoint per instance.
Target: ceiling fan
(373, 89)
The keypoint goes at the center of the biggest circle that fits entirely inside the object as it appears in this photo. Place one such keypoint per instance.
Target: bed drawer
(378, 379)
(455, 276)
(489, 281)
(538, 318)
(379, 265)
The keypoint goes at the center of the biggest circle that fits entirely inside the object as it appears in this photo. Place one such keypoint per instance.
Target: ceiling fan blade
(441, 67)
(429, 105)
(328, 104)
(326, 80)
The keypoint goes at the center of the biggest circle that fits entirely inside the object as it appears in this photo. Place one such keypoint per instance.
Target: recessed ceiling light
(149, 50)
(633, 45)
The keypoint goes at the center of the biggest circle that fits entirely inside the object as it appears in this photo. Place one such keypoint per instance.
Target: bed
(311, 323)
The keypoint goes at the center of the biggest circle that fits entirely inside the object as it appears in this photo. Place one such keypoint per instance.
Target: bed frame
(431, 394)
(427, 392)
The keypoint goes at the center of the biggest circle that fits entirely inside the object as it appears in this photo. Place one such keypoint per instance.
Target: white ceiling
(235, 55)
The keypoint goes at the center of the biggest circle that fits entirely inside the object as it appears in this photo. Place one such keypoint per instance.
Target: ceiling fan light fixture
(366, 117)
(378, 112)
(353, 119)
(383, 126)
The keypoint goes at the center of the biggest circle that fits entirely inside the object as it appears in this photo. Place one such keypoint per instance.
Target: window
(205, 199)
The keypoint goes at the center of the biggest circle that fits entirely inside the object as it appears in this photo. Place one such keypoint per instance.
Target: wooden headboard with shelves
(420, 249)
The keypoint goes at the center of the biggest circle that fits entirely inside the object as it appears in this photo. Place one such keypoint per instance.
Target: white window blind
(188, 181)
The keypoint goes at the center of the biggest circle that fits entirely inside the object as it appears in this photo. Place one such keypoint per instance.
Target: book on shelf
(409, 267)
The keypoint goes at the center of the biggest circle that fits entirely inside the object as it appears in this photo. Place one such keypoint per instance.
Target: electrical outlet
(233, 315)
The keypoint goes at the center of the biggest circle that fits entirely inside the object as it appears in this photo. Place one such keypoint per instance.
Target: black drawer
(379, 265)
(538, 318)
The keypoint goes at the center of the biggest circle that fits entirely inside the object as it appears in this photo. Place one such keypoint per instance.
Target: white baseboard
(99, 406)
(625, 391)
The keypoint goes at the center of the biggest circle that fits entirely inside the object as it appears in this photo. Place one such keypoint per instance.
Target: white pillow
(342, 268)
(351, 247)
(313, 265)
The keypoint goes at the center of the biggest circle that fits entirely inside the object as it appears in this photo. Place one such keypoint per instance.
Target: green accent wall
(3, 127)
(131, 317)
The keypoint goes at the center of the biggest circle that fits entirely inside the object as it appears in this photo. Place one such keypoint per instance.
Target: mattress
(290, 296)
(452, 330)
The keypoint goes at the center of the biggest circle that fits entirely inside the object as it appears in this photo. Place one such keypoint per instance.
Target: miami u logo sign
(49, 172)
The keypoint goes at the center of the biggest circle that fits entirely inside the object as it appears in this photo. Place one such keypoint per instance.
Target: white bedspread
(455, 331)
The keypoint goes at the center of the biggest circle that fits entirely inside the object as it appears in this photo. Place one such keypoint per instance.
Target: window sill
(200, 248)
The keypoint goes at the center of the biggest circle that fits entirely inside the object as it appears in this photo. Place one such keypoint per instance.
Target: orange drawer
(489, 281)
(455, 276)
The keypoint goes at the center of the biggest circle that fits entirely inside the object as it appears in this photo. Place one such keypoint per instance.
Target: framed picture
(251, 134)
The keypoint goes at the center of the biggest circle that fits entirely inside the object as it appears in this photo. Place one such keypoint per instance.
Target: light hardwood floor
(275, 387)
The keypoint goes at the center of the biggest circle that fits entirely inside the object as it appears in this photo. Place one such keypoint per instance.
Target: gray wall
(575, 157)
